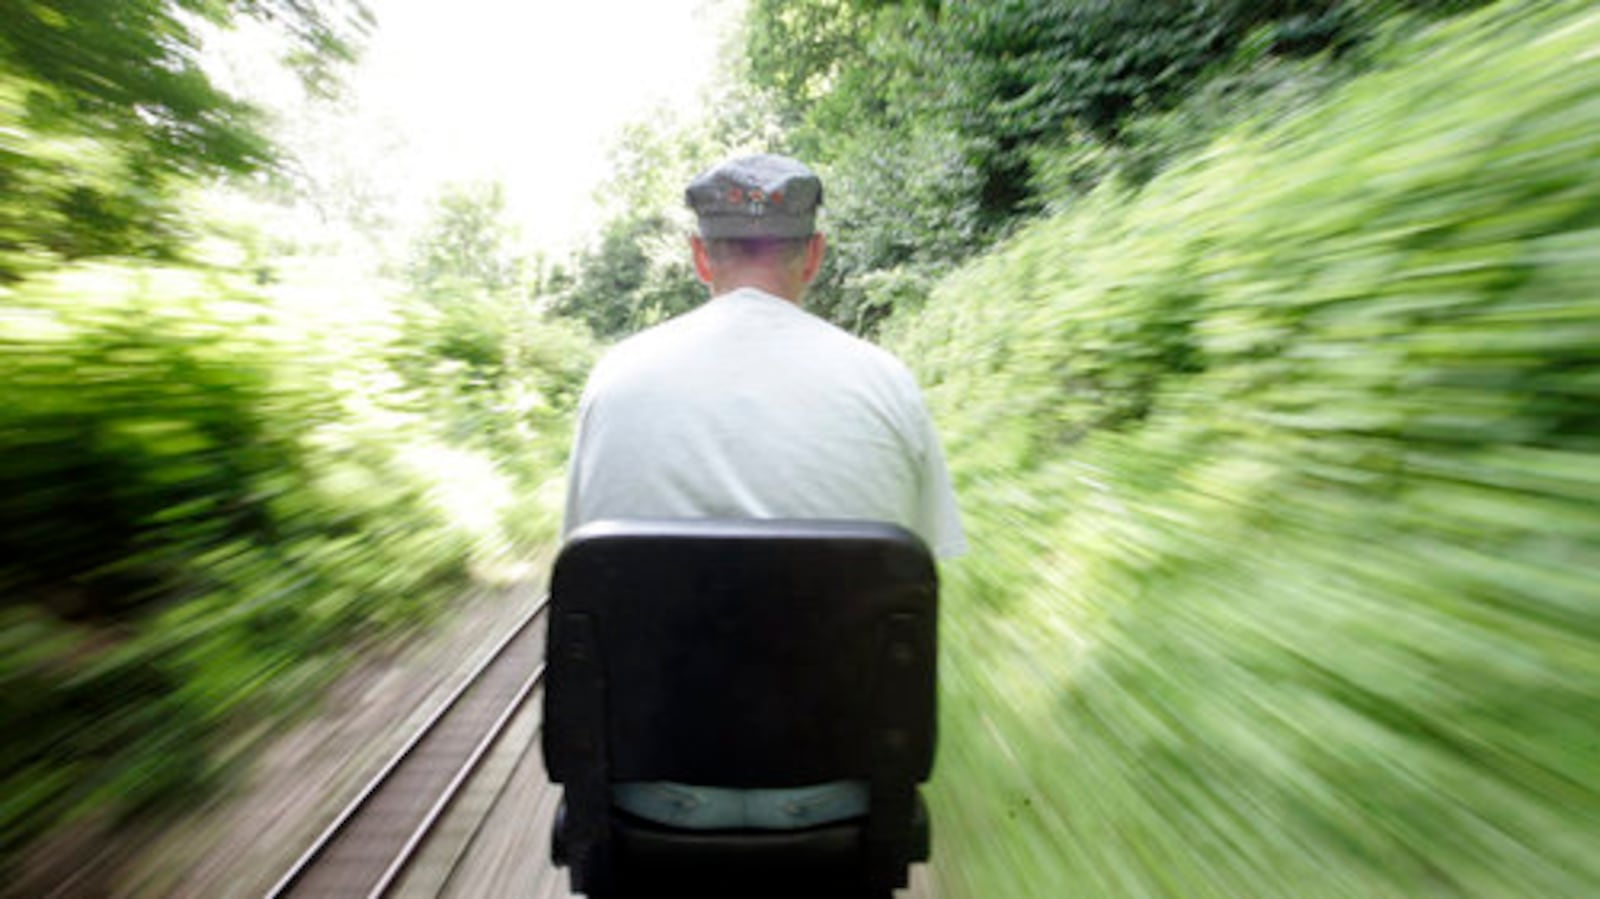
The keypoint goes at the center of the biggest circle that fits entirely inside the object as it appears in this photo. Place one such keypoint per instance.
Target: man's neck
(773, 285)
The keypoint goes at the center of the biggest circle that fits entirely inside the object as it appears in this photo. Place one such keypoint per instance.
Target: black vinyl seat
(740, 654)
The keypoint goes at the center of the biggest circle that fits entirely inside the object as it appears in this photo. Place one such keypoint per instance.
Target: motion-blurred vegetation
(1281, 477)
(218, 476)
(1262, 335)
(940, 126)
(1264, 341)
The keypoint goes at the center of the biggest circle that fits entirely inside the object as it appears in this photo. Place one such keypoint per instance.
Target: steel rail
(420, 834)
(494, 804)
(353, 810)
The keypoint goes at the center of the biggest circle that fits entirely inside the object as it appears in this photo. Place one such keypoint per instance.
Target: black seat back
(743, 654)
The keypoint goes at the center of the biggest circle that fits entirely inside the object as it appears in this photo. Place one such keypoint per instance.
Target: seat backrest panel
(748, 653)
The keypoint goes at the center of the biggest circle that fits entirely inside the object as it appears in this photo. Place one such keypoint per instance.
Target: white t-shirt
(751, 407)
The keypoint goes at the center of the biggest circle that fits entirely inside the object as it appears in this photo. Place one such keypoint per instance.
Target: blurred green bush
(214, 492)
(209, 497)
(107, 114)
(942, 127)
(1281, 477)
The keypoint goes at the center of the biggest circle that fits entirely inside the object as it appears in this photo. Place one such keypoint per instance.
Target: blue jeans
(717, 808)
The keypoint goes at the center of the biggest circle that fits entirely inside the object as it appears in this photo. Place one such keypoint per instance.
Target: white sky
(531, 91)
(528, 92)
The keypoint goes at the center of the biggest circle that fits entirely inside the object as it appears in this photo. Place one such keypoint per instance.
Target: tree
(929, 118)
(796, 50)
(110, 112)
(637, 270)
(493, 367)
(636, 274)
(467, 293)
(467, 244)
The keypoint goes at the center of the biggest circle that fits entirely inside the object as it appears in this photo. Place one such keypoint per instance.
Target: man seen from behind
(751, 407)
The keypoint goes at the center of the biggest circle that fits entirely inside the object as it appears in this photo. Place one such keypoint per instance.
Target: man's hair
(750, 249)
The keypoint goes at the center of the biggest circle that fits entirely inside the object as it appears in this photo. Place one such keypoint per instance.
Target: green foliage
(134, 438)
(1281, 480)
(901, 183)
(107, 113)
(466, 245)
(941, 126)
(900, 205)
(194, 525)
(1061, 174)
(499, 372)
(211, 494)
(637, 274)
(797, 50)
(637, 270)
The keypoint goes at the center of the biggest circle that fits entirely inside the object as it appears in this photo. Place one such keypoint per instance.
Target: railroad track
(369, 845)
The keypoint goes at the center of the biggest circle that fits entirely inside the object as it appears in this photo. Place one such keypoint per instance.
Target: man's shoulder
(869, 356)
(841, 342)
(639, 348)
(693, 338)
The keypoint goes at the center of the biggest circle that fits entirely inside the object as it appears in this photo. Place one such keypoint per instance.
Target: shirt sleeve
(940, 519)
(938, 516)
(572, 515)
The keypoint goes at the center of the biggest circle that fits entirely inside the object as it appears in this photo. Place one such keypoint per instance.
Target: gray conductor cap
(765, 195)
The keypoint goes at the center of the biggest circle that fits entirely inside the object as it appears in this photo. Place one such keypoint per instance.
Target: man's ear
(815, 249)
(702, 259)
